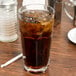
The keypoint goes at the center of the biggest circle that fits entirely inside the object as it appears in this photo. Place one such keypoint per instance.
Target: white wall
(25, 2)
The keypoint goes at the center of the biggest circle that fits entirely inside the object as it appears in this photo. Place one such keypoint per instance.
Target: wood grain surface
(62, 54)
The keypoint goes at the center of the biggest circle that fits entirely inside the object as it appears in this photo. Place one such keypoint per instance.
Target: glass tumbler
(8, 20)
(35, 23)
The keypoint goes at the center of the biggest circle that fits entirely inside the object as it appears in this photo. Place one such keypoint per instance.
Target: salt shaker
(57, 5)
(58, 11)
(8, 20)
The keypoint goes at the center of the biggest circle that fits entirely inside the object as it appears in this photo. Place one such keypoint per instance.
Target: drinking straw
(12, 60)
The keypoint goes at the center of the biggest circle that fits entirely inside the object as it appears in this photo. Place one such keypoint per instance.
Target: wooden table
(63, 54)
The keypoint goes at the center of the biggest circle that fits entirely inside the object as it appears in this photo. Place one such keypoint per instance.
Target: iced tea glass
(36, 22)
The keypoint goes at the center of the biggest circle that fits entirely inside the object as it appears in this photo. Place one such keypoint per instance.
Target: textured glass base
(41, 70)
(8, 38)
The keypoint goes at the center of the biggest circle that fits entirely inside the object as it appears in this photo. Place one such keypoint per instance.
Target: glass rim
(19, 10)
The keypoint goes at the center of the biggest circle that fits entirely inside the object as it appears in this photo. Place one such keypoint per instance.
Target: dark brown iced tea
(36, 28)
